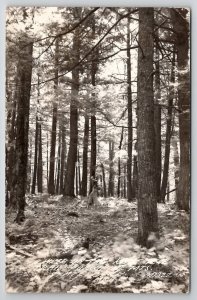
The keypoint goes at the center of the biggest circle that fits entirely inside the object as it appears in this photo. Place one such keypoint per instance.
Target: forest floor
(64, 247)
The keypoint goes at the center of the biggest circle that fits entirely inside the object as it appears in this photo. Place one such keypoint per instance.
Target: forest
(97, 149)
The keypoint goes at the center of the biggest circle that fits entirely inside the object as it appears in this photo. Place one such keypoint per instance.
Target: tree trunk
(22, 124)
(51, 183)
(40, 172)
(47, 159)
(124, 183)
(85, 157)
(176, 165)
(39, 168)
(29, 169)
(135, 177)
(76, 180)
(72, 152)
(181, 28)
(168, 134)
(63, 155)
(79, 173)
(119, 163)
(104, 182)
(111, 169)
(168, 192)
(58, 162)
(157, 122)
(10, 154)
(10, 149)
(33, 188)
(147, 200)
(130, 118)
(93, 151)
(93, 116)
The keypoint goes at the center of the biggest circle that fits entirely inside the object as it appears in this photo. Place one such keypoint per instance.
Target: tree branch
(88, 53)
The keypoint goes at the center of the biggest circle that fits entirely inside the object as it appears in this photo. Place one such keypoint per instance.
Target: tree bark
(130, 118)
(147, 200)
(51, 183)
(111, 169)
(39, 171)
(157, 122)
(33, 188)
(85, 157)
(104, 182)
(93, 116)
(181, 27)
(47, 159)
(119, 163)
(10, 149)
(63, 155)
(124, 183)
(22, 124)
(76, 180)
(29, 168)
(176, 165)
(72, 152)
(168, 134)
(79, 172)
(58, 161)
(135, 177)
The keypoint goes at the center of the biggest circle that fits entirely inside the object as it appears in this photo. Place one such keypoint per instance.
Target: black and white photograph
(97, 150)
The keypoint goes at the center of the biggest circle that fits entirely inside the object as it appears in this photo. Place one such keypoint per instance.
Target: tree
(147, 200)
(181, 27)
(103, 180)
(176, 164)
(130, 118)
(33, 187)
(135, 176)
(37, 172)
(168, 133)
(51, 183)
(63, 155)
(72, 152)
(79, 172)
(157, 122)
(40, 170)
(111, 169)
(85, 157)
(93, 113)
(10, 149)
(119, 163)
(58, 161)
(22, 123)
(124, 182)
